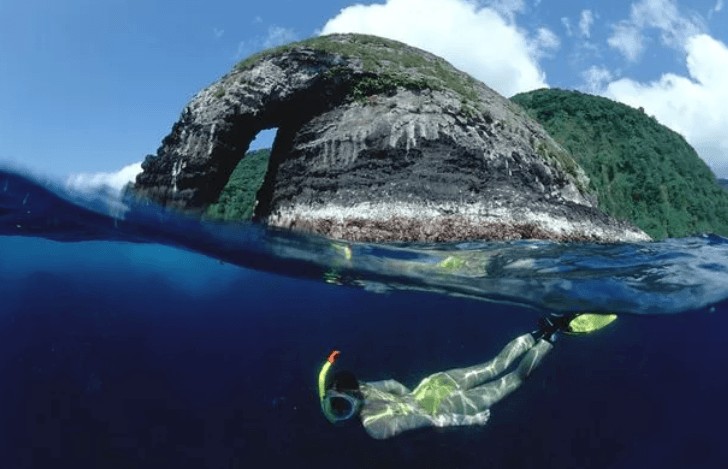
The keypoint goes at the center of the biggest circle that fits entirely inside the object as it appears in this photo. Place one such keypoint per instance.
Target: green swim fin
(589, 322)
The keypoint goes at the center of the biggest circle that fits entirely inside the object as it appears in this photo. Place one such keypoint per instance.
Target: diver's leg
(475, 375)
(482, 397)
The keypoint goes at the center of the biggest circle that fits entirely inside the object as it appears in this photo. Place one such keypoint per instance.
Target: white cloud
(507, 8)
(717, 8)
(567, 26)
(695, 106)
(275, 36)
(586, 20)
(628, 40)
(116, 181)
(476, 39)
(596, 78)
(218, 32)
(674, 27)
(278, 35)
(546, 41)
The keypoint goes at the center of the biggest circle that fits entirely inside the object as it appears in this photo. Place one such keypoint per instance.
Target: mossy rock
(401, 64)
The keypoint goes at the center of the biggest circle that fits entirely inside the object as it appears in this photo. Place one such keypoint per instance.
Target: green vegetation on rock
(640, 170)
(401, 65)
(386, 84)
(237, 199)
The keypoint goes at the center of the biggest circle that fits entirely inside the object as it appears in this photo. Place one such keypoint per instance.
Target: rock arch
(377, 141)
(216, 128)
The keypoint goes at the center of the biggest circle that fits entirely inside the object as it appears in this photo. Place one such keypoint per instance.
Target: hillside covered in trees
(640, 170)
(237, 199)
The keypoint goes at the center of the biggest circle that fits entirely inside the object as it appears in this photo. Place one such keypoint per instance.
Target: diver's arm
(389, 385)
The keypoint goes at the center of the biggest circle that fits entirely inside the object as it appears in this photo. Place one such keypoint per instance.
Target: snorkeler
(457, 397)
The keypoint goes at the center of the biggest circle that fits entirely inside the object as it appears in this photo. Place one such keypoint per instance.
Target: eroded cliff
(377, 141)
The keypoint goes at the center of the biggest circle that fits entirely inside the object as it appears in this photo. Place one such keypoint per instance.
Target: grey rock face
(378, 141)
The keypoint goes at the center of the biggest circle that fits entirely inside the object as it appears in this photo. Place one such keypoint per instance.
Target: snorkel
(322, 384)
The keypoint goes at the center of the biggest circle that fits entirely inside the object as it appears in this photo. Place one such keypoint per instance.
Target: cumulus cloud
(586, 20)
(479, 40)
(664, 16)
(695, 106)
(116, 181)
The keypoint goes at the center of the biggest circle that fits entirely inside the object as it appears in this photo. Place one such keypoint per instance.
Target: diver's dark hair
(344, 381)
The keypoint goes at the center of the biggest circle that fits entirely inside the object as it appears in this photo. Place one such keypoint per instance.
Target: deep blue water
(130, 337)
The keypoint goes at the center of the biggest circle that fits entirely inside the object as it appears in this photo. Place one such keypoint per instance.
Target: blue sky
(91, 86)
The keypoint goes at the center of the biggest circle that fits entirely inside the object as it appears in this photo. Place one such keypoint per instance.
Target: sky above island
(89, 87)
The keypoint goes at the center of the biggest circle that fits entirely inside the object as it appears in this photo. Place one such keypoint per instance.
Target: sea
(134, 337)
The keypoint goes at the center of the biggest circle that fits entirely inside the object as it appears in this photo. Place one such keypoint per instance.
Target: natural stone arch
(377, 141)
(217, 126)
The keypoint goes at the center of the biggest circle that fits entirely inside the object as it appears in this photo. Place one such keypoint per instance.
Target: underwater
(132, 337)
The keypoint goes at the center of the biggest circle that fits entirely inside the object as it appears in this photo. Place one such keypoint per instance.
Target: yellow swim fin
(589, 322)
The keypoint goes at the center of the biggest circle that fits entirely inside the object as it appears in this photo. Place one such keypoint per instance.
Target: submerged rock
(377, 141)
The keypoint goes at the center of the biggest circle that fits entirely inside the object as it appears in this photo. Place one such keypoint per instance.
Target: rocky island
(377, 141)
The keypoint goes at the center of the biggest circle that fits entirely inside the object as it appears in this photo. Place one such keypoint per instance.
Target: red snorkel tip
(333, 356)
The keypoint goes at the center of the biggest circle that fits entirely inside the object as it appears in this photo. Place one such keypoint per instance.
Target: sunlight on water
(648, 278)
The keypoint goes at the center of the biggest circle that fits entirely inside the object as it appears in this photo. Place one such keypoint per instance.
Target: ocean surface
(131, 337)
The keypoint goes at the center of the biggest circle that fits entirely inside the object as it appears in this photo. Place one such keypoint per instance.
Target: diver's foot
(572, 323)
(549, 325)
